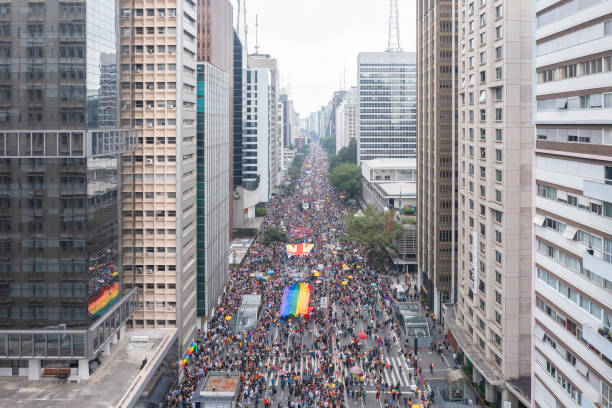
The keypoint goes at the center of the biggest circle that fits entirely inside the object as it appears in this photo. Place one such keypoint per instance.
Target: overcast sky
(314, 40)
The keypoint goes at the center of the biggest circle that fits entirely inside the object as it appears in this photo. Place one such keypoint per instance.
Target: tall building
(216, 46)
(346, 119)
(490, 323)
(158, 98)
(59, 185)
(214, 138)
(387, 105)
(238, 108)
(572, 269)
(213, 172)
(288, 119)
(259, 142)
(437, 150)
(271, 95)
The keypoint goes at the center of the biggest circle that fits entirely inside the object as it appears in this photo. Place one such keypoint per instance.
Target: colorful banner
(105, 298)
(296, 300)
(299, 249)
(301, 231)
(192, 347)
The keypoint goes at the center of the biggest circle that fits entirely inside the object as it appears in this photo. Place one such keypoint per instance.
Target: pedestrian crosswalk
(393, 371)
(275, 368)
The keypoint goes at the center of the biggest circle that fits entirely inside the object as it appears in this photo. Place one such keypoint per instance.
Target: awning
(539, 219)
(455, 375)
(570, 232)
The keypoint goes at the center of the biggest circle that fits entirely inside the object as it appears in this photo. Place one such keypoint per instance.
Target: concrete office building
(387, 105)
(572, 252)
(158, 98)
(61, 301)
(213, 169)
(490, 323)
(437, 150)
(346, 119)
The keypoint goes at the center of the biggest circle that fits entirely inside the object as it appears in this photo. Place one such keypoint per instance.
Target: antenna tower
(256, 34)
(394, 37)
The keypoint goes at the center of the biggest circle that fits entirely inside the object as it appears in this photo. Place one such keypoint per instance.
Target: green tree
(347, 177)
(348, 154)
(328, 143)
(374, 229)
(273, 235)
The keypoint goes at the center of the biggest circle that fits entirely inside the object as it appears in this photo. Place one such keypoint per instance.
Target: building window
(498, 32)
(498, 114)
(498, 135)
(498, 73)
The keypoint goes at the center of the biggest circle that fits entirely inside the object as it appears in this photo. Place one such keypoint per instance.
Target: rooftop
(218, 386)
(391, 189)
(221, 384)
(390, 163)
(118, 382)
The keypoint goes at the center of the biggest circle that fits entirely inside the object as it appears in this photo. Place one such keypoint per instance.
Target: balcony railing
(54, 344)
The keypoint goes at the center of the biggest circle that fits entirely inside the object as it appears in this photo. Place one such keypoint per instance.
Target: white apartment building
(387, 105)
(158, 98)
(259, 141)
(572, 220)
(346, 119)
(275, 116)
(490, 322)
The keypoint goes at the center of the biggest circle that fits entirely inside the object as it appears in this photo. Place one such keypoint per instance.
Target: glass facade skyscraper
(59, 170)
(213, 191)
(387, 105)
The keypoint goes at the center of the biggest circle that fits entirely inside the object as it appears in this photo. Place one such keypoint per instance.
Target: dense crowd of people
(273, 357)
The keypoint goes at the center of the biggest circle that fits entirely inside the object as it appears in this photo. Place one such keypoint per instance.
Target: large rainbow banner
(295, 301)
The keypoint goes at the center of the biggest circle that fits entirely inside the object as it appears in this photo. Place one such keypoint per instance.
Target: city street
(350, 349)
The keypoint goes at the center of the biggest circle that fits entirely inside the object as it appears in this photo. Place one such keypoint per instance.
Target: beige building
(491, 320)
(572, 256)
(158, 97)
(437, 150)
(346, 119)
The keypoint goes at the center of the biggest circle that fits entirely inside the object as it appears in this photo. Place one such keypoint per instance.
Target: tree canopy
(328, 144)
(372, 228)
(347, 154)
(347, 177)
(272, 235)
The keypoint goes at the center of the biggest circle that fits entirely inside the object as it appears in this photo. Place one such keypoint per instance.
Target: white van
(400, 293)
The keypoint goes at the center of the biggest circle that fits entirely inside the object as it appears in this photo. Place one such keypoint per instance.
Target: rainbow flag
(295, 301)
(105, 298)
